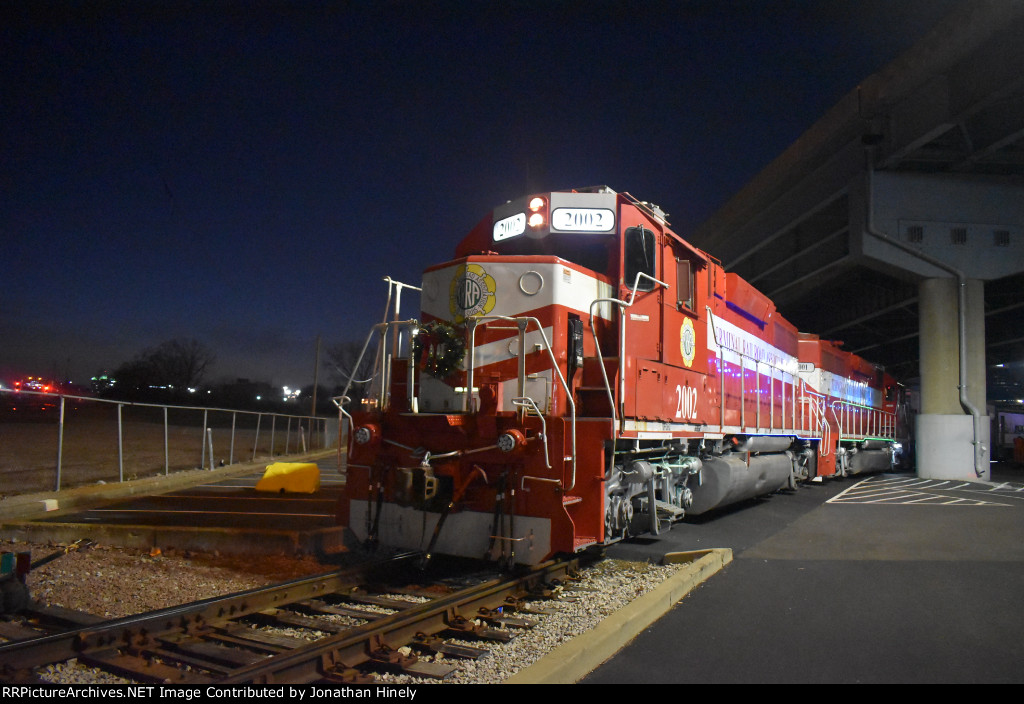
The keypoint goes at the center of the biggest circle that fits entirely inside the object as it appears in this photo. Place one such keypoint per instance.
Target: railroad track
(354, 630)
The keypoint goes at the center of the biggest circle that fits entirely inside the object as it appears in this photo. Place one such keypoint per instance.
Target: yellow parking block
(298, 477)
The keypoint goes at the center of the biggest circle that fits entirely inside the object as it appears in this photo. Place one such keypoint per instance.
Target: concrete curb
(572, 661)
(57, 503)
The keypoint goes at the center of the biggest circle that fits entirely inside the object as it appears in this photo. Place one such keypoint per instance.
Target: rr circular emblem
(471, 292)
(687, 342)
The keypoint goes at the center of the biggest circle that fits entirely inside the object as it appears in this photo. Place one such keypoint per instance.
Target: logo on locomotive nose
(471, 292)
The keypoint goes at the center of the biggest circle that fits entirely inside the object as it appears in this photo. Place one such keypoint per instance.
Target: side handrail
(721, 368)
(837, 417)
(815, 404)
(757, 376)
(844, 404)
(622, 353)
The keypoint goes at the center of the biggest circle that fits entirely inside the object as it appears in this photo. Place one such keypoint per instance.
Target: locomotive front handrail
(530, 404)
(383, 363)
(396, 286)
(359, 361)
(343, 427)
(523, 322)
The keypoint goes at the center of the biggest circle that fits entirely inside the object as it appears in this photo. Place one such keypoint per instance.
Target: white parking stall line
(1001, 496)
(927, 484)
(868, 494)
(874, 490)
(845, 491)
(879, 498)
(923, 498)
(912, 497)
(1008, 486)
(904, 483)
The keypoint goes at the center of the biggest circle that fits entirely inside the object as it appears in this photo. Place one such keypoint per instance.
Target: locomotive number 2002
(583, 219)
(686, 401)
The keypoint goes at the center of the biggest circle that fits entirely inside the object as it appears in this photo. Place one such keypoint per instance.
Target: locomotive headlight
(365, 434)
(511, 440)
(538, 208)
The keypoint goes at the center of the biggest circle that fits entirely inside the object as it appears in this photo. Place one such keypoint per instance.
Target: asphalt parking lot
(878, 579)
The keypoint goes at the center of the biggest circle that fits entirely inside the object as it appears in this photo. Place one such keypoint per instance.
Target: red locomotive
(580, 374)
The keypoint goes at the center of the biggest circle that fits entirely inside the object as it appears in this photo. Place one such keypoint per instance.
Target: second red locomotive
(579, 374)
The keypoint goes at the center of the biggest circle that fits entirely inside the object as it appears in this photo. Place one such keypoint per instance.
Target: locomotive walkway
(884, 578)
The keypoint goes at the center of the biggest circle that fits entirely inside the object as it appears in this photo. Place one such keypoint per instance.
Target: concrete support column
(946, 432)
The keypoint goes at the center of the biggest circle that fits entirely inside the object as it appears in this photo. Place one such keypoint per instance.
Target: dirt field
(29, 444)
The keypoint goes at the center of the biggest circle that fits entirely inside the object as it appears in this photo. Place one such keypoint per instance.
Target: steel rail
(324, 659)
(58, 647)
(345, 651)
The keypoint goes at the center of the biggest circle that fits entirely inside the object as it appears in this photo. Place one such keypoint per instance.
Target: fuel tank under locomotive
(866, 456)
(728, 479)
(749, 467)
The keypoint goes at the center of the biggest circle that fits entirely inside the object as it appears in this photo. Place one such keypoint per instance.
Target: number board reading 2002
(583, 219)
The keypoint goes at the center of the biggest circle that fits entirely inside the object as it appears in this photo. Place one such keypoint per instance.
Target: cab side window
(684, 284)
(641, 256)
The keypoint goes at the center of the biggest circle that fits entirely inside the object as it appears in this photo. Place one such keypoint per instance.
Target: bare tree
(181, 363)
(344, 364)
(172, 367)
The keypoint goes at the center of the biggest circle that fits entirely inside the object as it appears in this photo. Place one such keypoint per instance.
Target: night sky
(245, 174)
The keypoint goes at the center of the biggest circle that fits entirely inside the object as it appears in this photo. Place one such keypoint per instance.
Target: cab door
(642, 268)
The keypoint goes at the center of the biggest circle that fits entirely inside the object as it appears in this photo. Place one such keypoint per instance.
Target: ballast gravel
(113, 582)
(579, 606)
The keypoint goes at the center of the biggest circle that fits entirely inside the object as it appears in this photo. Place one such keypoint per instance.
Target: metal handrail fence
(288, 433)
